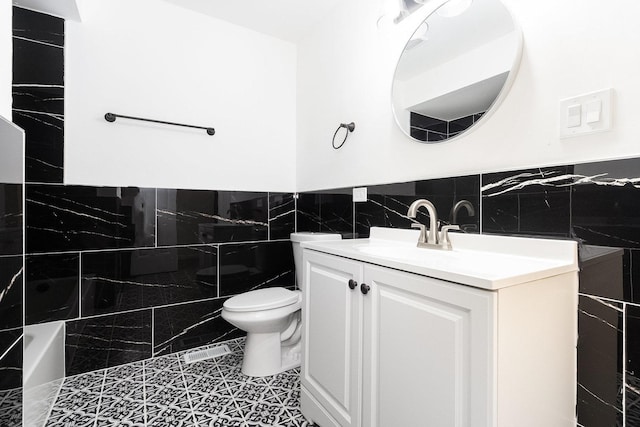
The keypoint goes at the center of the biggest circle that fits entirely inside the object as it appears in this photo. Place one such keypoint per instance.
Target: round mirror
(455, 69)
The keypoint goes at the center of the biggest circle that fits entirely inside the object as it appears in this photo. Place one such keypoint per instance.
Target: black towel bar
(111, 117)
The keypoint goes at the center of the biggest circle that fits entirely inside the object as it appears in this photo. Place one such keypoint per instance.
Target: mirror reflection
(455, 68)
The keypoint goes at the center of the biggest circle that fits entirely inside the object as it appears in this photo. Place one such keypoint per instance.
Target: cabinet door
(332, 335)
(428, 352)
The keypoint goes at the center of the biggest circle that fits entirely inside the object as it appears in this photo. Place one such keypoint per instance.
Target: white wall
(6, 58)
(152, 59)
(571, 47)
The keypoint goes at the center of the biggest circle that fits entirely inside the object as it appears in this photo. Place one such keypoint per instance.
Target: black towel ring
(350, 128)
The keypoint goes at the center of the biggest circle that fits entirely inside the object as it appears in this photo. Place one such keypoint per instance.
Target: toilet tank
(297, 238)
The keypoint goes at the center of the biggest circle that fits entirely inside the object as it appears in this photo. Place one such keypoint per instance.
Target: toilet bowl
(272, 319)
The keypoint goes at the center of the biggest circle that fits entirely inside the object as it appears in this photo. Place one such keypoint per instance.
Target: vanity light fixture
(454, 8)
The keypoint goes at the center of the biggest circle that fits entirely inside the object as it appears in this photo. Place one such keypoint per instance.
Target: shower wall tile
(529, 202)
(11, 278)
(599, 362)
(327, 212)
(186, 326)
(245, 267)
(38, 92)
(606, 203)
(44, 149)
(36, 62)
(11, 359)
(127, 280)
(52, 287)
(36, 26)
(11, 219)
(72, 218)
(105, 341)
(282, 215)
(42, 101)
(198, 216)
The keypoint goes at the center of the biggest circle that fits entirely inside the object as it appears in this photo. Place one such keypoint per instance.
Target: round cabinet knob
(364, 288)
(352, 284)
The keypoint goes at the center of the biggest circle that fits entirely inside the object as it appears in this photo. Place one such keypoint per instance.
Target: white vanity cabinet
(405, 349)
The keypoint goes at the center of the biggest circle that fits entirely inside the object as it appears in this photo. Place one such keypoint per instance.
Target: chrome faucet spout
(431, 236)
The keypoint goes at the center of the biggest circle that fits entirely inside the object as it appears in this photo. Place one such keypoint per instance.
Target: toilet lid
(262, 299)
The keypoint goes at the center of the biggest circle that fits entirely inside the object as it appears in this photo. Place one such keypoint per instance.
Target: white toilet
(271, 318)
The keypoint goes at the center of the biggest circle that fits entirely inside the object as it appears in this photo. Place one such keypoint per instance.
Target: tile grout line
(155, 214)
(104, 378)
(186, 388)
(79, 285)
(624, 364)
(268, 216)
(228, 388)
(144, 393)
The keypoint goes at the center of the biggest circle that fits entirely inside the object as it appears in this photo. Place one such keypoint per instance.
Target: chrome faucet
(428, 238)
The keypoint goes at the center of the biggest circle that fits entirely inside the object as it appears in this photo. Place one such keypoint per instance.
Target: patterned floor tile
(90, 380)
(205, 385)
(82, 401)
(119, 410)
(166, 391)
(62, 418)
(169, 416)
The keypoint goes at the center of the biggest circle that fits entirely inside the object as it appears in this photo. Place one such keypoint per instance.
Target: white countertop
(479, 260)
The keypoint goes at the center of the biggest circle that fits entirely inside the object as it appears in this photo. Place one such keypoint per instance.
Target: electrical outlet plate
(360, 194)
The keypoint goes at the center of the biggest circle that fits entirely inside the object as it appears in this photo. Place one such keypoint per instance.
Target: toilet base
(265, 355)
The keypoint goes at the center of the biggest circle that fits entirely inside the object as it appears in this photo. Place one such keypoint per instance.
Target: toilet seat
(262, 299)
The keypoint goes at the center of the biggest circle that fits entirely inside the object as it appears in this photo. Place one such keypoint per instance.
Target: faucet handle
(423, 231)
(444, 236)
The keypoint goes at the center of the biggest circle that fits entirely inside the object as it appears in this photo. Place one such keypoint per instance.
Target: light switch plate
(595, 114)
(360, 194)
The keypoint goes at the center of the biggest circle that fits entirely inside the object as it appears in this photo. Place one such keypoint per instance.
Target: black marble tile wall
(528, 202)
(10, 359)
(387, 205)
(606, 203)
(282, 215)
(600, 377)
(52, 286)
(326, 211)
(106, 341)
(71, 218)
(245, 267)
(632, 374)
(94, 262)
(196, 216)
(11, 219)
(185, 326)
(11, 277)
(38, 91)
(128, 280)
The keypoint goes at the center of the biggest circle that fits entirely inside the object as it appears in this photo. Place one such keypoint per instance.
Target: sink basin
(479, 260)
